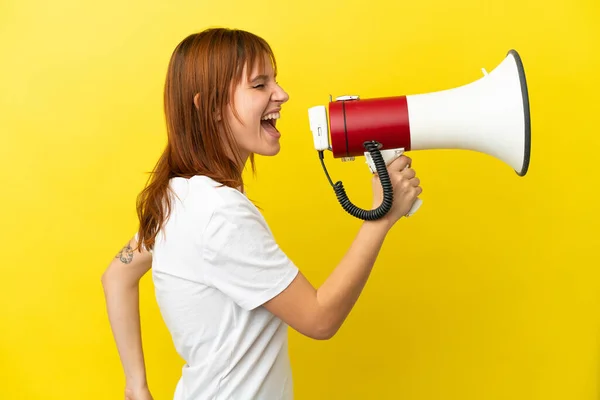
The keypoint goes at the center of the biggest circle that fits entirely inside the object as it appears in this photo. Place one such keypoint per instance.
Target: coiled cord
(388, 191)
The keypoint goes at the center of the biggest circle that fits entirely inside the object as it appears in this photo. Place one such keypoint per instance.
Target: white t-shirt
(214, 264)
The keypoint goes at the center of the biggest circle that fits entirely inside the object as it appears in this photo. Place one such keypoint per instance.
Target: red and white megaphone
(490, 115)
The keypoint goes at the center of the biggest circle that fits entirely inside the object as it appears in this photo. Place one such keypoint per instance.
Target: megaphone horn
(490, 115)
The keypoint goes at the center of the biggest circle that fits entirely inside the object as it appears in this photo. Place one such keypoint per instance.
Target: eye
(259, 86)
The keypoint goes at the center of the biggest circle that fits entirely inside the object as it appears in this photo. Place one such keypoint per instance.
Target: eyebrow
(260, 77)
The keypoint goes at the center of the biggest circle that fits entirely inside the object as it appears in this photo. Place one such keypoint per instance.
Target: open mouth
(270, 119)
(268, 123)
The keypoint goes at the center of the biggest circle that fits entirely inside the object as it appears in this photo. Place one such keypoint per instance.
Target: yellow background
(490, 292)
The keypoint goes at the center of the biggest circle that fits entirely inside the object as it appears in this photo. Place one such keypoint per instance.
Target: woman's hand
(142, 393)
(406, 189)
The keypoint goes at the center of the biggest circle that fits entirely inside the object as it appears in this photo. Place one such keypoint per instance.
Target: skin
(121, 290)
(254, 98)
(315, 312)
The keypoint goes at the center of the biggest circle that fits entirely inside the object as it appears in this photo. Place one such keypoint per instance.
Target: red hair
(208, 64)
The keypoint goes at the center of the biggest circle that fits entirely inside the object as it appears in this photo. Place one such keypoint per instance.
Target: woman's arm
(121, 289)
(319, 313)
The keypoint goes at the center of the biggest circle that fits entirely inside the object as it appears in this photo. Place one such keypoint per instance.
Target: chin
(269, 151)
(266, 144)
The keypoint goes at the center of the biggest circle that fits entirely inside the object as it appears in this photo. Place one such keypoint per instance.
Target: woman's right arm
(120, 281)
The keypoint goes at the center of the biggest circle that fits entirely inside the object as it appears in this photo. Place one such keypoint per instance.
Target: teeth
(271, 116)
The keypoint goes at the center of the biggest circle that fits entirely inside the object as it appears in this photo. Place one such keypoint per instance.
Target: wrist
(136, 384)
(382, 224)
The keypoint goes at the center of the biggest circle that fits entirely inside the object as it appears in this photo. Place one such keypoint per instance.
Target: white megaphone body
(490, 115)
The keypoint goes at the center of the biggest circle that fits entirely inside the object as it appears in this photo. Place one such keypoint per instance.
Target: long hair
(199, 139)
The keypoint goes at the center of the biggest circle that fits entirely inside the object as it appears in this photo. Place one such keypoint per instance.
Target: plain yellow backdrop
(490, 292)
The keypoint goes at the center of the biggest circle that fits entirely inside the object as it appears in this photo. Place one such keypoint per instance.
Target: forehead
(261, 66)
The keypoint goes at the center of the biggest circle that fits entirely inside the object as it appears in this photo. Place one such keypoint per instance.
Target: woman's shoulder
(220, 198)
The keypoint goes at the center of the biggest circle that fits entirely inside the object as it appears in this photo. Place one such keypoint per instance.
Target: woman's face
(257, 101)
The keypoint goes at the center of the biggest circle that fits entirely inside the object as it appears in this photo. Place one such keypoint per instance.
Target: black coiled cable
(388, 191)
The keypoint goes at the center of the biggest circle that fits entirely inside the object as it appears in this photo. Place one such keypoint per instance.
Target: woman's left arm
(120, 281)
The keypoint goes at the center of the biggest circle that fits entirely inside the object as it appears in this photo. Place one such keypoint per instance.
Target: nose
(279, 95)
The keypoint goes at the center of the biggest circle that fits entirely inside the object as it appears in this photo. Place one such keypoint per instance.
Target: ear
(197, 104)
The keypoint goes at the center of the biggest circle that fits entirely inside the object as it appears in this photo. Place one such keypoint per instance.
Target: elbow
(115, 282)
(108, 275)
(106, 278)
(323, 335)
(325, 330)
(117, 278)
(316, 328)
(112, 276)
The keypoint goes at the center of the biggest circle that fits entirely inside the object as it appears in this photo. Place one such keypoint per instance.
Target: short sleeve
(242, 259)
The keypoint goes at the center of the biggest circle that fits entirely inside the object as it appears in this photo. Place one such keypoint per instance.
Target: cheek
(250, 117)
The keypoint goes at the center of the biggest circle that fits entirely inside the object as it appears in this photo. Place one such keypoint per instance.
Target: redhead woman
(226, 290)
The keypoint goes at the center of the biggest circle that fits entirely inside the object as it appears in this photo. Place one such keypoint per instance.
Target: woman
(225, 289)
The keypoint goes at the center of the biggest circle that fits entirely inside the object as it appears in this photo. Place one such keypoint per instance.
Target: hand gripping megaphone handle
(390, 155)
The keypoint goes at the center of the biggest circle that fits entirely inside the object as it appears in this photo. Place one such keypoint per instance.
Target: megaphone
(490, 115)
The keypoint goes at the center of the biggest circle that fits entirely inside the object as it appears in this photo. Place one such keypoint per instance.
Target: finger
(415, 182)
(408, 173)
(400, 163)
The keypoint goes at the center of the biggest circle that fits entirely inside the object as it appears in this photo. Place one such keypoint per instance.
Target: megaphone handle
(415, 207)
(390, 155)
